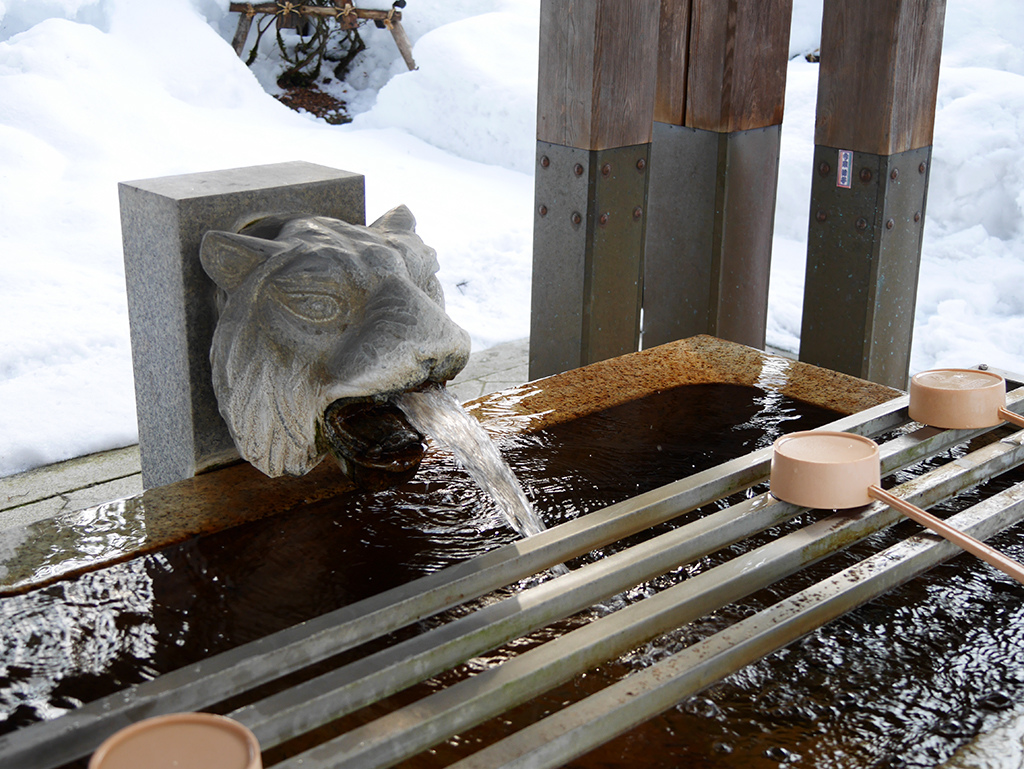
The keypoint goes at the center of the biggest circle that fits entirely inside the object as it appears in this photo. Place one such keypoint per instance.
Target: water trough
(441, 622)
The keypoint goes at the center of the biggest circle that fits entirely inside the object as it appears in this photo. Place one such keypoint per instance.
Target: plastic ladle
(960, 399)
(180, 741)
(836, 471)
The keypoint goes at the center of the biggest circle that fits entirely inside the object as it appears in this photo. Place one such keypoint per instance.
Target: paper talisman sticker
(845, 172)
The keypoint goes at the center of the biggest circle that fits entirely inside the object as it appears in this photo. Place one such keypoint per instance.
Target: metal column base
(711, 210)
(863, 259)
(587, 255)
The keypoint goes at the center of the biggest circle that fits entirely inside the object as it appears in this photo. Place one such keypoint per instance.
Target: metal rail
(461, 706)
(298, 709)
(620, 707)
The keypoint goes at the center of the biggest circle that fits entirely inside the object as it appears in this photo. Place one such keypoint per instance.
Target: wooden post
(402, 42)
(594, 110)
(873, 135)
(242, 32)
(714, 166)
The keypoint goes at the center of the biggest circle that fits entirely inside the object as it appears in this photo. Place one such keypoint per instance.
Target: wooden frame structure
(721, 84)
(594, 112)
(876, 111)
(695, 90)
(289, 14)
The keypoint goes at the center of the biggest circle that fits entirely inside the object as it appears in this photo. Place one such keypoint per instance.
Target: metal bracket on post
(708, 250)
(588, 244)
(863, 258)
(680, 233)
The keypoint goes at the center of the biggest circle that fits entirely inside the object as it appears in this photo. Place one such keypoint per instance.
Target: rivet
(578, 169)
(865, 175)
(922, 168)
(825, 169)
(641, 164)
(861, 224)
(545, 161)
(821, 215)
(894, 174)
(890, 223)
(576, 218)
(603, 219)
(542, 210)
(917, 216)
(638, 212)
(606, 169)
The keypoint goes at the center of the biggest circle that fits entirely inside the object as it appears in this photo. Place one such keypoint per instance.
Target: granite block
(171, 301)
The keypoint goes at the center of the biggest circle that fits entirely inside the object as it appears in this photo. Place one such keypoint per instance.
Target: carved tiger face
(317, 316)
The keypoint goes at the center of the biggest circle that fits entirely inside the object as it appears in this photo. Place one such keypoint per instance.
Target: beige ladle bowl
(836, 471)
(180, 741)
(960, 399)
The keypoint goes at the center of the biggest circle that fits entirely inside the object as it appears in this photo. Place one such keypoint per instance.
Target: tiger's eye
(318, 308)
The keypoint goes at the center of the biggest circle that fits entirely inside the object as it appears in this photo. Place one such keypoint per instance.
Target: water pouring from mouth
(435, 412)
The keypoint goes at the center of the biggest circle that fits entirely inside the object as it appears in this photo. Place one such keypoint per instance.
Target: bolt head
(578, 169)
(545, 161)
(861, 224)
(866, 175)
(603, 219)
(824, 169)
(922, 168)
(917, 216)
(641, 164)
(638, 212)
(576, 218)
(890, 223)
(542, 210)
(606, 169)
(821, 215)
(894, 174)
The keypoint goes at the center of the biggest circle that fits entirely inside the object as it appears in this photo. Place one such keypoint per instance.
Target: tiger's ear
(228, 258)
(398, 218)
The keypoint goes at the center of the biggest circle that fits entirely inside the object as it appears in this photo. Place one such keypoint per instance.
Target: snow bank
(474, 94)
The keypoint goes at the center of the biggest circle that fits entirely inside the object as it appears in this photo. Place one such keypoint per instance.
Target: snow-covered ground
(93, 92)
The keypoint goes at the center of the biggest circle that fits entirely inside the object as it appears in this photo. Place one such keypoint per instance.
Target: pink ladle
(959, 399)
(835, 471)
(182, 741)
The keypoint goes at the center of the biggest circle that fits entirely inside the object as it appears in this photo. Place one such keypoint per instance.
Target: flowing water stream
(435, 412)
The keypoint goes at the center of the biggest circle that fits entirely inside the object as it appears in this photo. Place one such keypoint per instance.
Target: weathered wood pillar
(714, 167)
(873, 134)
(594, 110)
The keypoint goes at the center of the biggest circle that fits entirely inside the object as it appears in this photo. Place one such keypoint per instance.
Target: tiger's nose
(406, 338)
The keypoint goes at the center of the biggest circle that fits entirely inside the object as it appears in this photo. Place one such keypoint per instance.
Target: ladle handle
(991, 556)
(1012, 418)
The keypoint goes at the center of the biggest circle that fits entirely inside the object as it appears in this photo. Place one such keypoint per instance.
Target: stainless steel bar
(372, 678)
(615, 710)
(52, 743)
(409, 730)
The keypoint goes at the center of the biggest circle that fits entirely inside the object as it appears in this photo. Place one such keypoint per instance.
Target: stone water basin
(194, 596)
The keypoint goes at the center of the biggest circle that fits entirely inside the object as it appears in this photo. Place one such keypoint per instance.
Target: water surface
(900, 682)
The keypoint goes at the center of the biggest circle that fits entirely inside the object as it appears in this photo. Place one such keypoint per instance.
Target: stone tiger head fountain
(320, 323)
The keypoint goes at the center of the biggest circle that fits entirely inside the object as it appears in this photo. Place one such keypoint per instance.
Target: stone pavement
(109, 475)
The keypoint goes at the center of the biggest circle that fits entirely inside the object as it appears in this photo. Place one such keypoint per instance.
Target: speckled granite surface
(697, 360)
(74, 542)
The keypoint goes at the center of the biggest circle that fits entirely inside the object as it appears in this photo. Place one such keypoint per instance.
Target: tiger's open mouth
(372, 442)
